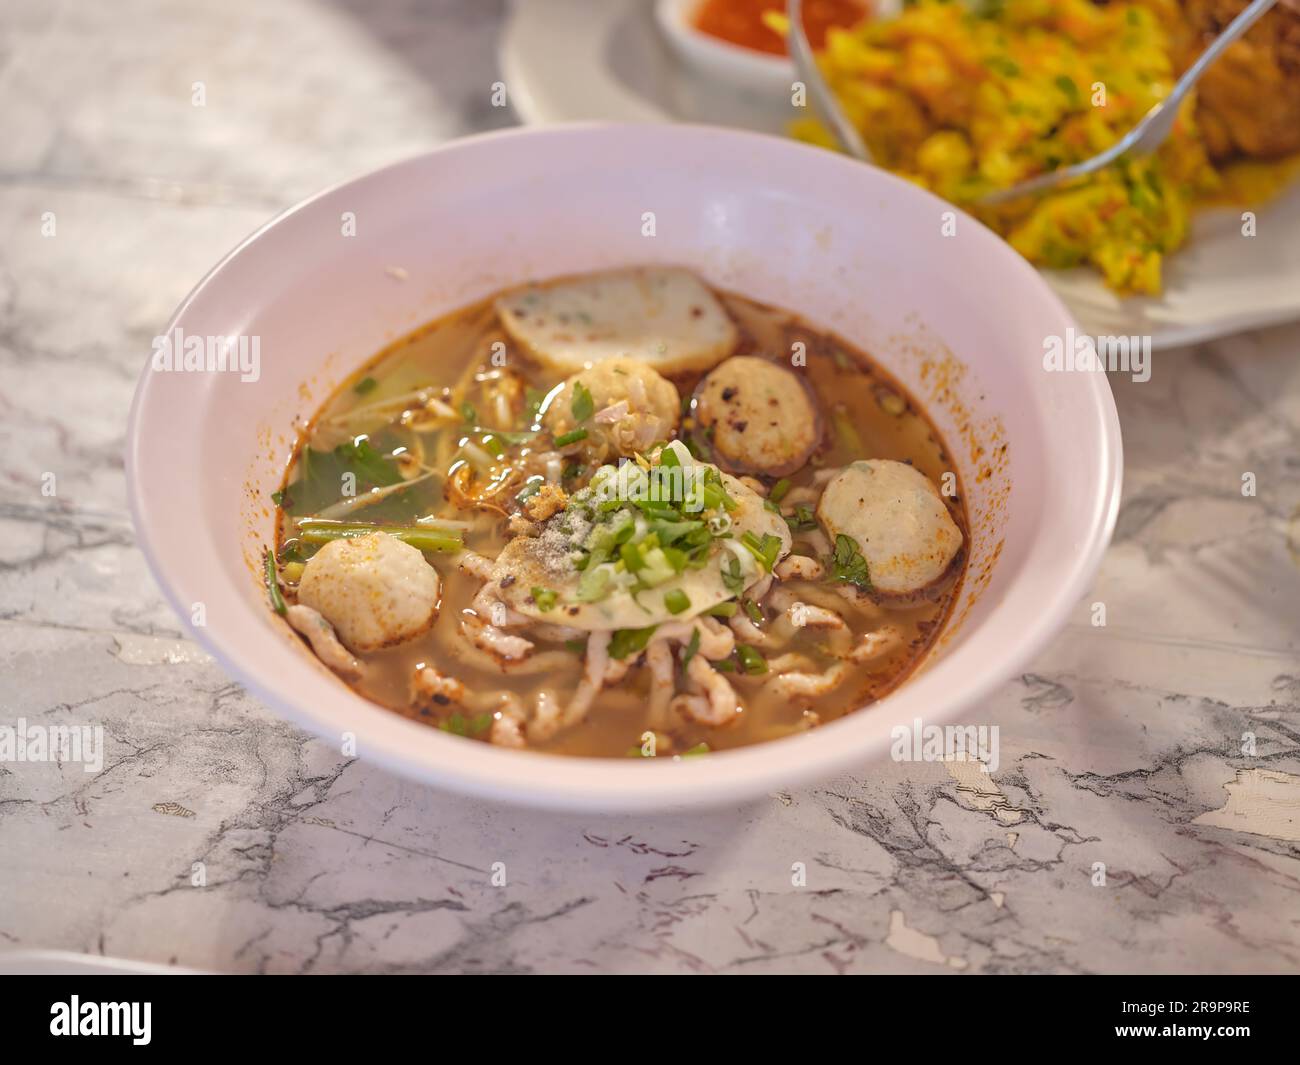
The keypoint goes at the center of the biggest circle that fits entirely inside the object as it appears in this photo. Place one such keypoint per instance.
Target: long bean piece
(425, 537)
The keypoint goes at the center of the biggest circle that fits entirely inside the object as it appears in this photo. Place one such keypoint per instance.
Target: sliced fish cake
(662, 316)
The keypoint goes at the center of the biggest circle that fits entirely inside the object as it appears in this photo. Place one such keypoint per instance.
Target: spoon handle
(823, 100)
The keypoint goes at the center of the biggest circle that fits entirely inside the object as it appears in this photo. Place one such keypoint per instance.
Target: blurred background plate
(70, 963)
(572, 60)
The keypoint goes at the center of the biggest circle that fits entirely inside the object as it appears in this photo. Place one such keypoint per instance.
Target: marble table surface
(1122, 745)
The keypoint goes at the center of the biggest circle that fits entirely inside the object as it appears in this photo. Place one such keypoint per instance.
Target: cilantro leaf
(733, 579)
(847, 565)
(583, 405)
(320, 480)
(690, 650)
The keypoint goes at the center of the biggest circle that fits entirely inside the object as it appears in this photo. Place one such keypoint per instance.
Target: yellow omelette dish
(966, 103)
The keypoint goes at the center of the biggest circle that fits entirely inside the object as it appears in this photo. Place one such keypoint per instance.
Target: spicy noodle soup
(622, 514)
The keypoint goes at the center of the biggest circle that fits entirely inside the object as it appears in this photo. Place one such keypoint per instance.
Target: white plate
(569, 60)
(68, 963)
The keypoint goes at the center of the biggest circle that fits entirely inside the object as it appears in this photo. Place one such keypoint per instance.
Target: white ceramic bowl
(960, 319)
(745, 68)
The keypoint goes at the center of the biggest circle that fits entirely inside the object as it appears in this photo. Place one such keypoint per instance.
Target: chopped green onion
(753, 610)
(691, 648)
(565, 439)
(677, 601)
(676, 558)
(657, 566)
(802, 519)
(714, 497)
(723, 610)
(725, 666)
(891, 402)
(593, 584)
(468, 412)
(715, 492)
(765, 550)
(513, 438)
(848, 432)
(630, 641)
(533, 400)
(277, 497)
(632, 558)
(779, 490)
(694, 752)
(576, 646)
(668, 457)
(366, 384)
(544, 598)
(750, 660)
(583, 406)
(273, 585)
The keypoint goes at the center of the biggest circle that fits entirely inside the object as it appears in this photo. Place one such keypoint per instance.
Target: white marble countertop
(1122, 745)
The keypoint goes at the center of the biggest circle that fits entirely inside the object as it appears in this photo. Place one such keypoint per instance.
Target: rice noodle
(487, 637)
(659, 660)
(536, 663)
(324, 640)
(816, 539)
(549, 716)
(876, 644)
(715, 701)
(715, 641)
(474, 564)
(749, 632)
(809, 685)
(799, 567)
(791, 662)
(487, 605)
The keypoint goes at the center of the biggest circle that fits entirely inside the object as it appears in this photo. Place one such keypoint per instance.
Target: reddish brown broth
(448, 349)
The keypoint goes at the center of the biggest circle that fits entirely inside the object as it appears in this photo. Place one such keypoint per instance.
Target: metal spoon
(823, 100)
(1145, 137)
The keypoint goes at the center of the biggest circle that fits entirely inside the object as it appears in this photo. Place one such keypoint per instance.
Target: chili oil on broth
(866, 414)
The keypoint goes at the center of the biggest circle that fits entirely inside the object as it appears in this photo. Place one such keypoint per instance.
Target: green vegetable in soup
(425, 537)
(273, 584)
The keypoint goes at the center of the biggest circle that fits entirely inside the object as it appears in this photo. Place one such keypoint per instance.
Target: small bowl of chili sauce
(732, 41)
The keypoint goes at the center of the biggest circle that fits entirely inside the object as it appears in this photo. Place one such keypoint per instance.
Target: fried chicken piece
(1249, 101)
